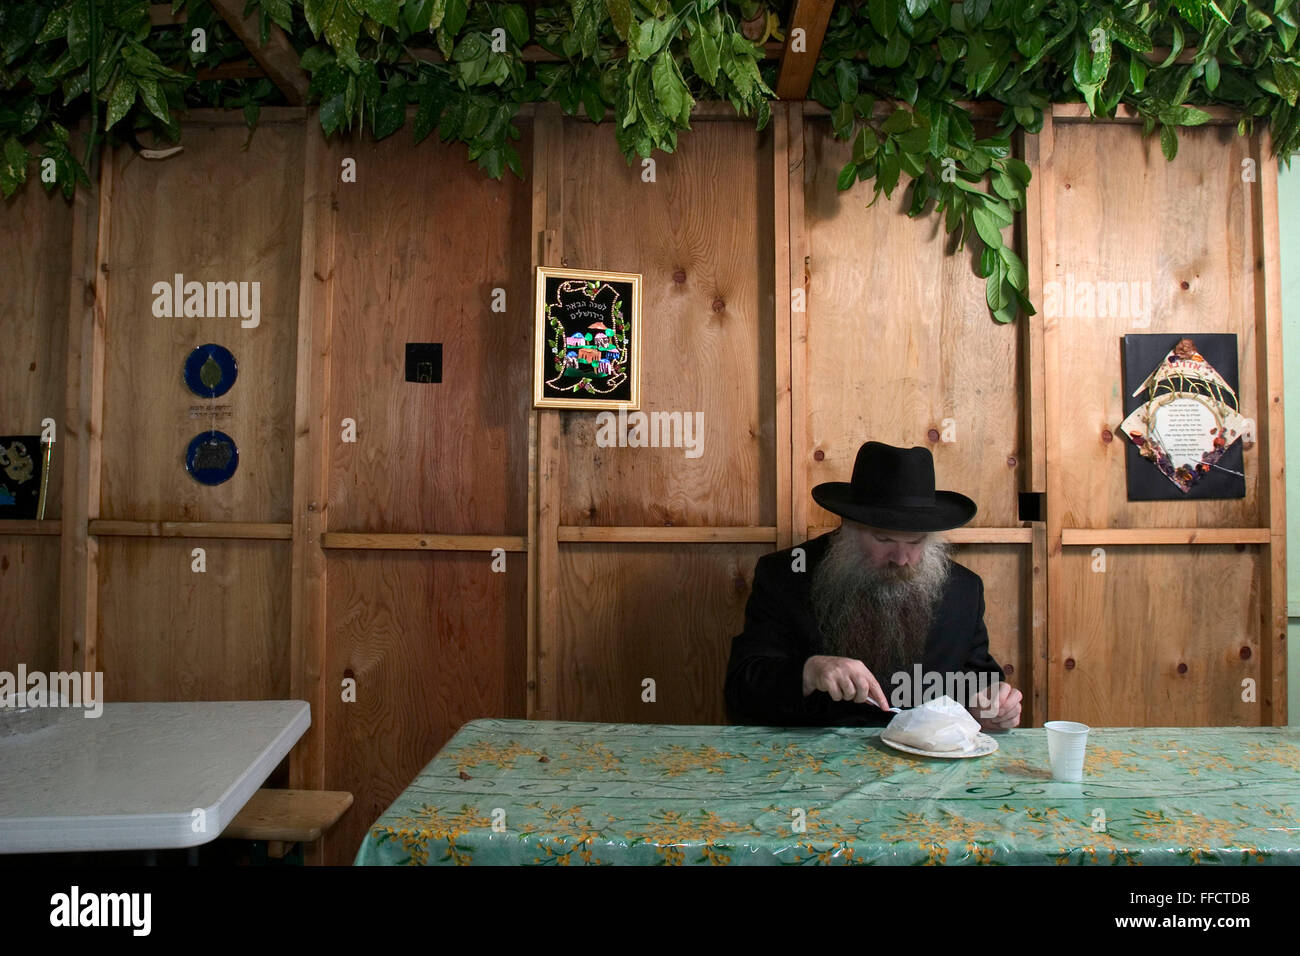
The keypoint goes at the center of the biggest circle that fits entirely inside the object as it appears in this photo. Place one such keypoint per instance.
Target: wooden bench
(282, 818)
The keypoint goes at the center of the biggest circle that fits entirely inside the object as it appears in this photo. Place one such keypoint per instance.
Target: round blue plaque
(212, 457)
(210, 370)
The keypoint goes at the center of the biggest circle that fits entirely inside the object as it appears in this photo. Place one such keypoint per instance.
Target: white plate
(984, 745)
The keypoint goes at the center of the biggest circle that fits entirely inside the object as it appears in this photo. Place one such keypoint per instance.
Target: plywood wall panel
(1008, 615)
(1183, 231)
(167, 632)
(423, 239)
(634, 611)
(432, 641)
(215, 212)
(901, 342)
(1125, 631)
(36, 248)
(701, 236)
(29, 595)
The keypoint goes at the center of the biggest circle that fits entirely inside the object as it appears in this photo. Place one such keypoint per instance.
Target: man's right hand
(844, 678)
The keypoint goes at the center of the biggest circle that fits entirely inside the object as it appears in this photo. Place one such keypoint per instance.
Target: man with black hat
(876, 602)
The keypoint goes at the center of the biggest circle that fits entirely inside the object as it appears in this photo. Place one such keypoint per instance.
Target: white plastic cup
(1067, 742)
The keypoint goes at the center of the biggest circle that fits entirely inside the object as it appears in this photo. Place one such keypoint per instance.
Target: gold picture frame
(587, 339)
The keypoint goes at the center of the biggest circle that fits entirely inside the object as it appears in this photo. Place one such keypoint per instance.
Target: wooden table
(141, 775)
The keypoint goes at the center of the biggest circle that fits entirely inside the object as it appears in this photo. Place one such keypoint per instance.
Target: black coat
(765, 673)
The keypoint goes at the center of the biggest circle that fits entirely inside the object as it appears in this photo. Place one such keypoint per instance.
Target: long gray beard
(877, 616)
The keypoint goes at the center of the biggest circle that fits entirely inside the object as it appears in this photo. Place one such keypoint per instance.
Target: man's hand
(1006, 712)
(844, 678)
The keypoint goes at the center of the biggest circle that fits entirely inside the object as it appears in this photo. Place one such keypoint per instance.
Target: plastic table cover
(552, 792)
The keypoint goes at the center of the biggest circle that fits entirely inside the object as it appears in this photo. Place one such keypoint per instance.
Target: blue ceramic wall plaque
(210, 370)
(212, 457)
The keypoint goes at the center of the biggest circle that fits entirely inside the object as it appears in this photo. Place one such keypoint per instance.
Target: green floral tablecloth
(549, 792)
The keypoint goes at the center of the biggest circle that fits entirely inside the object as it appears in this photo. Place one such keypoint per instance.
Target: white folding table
(141, 776)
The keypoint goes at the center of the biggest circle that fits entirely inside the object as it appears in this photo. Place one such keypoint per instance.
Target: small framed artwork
(587, 345)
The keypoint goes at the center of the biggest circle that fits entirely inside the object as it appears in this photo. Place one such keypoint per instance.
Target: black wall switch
(424, 361)
(1033, 506)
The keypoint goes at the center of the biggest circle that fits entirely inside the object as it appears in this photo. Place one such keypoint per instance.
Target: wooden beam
(655, 534)
(83, 420)
(192, 529)
(307, 650)
(964, 535)
(51, 527)
(1272, 430)
(278, 57)
(795, 73)
(365, 541)
(1078, 112)
(1080, 537)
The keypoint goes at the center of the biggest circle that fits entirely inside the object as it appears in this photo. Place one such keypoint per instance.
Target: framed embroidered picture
(587, 343)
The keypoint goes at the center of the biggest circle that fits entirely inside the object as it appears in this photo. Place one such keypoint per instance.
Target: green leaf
(13, 171)
(842, 120)
(865, 145)
(437, 16)
(390, 112)
(1137, 73)
(516, 18)
(1131, 35)
(120, 100)
(916, 8)
(896, 50)
(884, 15)
(417, 15)
(339, 23)
(620, 14)
(897, 122)
(153, 98)
(454, 18)
(1168, 142)
(703, 50)
(986, 226)
(1287, 79)
(846, 177)
(915, 140)
(1016, 273)
(846, 80)
(668, 89)
(887, 176)
(995, 291)
(1019, 171)
(381, 11)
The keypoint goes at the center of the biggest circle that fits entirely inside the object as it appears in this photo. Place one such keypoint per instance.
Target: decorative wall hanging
(1183, 420)
(210, 370)
(24, 476)
(587, 345)
(212, 457)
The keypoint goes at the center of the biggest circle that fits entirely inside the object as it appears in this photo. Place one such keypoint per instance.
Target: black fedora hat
(893, 489)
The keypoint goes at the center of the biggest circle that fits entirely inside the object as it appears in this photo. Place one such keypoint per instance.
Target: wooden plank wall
(1174, 627)
(897, 346)
(36, 245)
(214, 212)
(622, 564)
(412, 251)
(624, 610)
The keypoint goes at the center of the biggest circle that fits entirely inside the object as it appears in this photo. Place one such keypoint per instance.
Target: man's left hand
(1007, 713)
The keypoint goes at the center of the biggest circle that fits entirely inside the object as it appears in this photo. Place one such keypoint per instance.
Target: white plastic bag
(941, 725)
